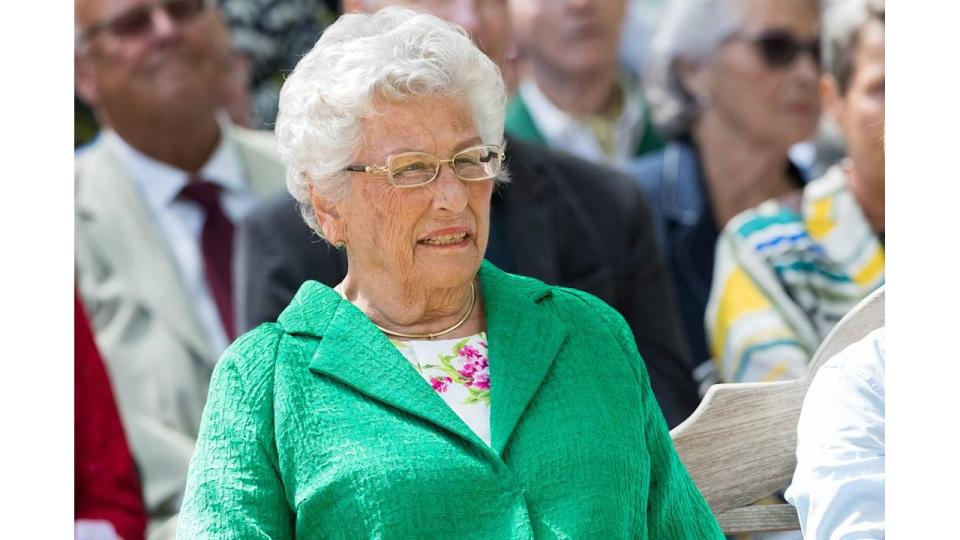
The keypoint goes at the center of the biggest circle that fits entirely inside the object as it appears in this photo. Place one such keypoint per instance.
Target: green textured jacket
(317, 427)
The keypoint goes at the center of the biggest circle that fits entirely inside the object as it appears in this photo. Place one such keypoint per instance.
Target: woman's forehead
(421, 124)
(800, 17)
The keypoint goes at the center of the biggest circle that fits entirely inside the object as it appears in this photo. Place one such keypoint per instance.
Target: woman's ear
(693, 77)
(328, 216)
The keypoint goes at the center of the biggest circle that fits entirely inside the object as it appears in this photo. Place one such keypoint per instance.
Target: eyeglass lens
(139, 20)
(416, 168)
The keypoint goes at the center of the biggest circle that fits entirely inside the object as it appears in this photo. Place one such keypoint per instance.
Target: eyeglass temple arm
(366, 168)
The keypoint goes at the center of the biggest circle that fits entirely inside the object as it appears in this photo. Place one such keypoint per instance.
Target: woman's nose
(450, 192)
(807, 68)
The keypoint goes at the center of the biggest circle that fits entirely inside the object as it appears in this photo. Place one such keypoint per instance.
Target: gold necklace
(435, 335)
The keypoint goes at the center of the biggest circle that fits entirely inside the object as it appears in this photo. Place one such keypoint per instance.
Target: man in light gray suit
(156, 198)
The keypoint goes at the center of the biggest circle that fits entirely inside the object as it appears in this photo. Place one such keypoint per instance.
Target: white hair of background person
(842, 22)
(691, 30)
(393, 55)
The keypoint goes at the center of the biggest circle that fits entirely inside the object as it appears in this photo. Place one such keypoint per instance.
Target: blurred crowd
(712, 169)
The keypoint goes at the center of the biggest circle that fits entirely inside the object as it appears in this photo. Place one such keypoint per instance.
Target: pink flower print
(469, 353)
(440, 384)
(475, 369)
(481, 381)
(467, 370)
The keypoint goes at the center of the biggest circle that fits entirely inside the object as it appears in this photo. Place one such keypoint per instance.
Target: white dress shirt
(838, 486)
(563, 131)
(181, 221)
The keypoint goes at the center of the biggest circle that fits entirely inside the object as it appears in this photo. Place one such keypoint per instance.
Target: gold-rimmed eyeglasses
(138, 20)
(414, 169)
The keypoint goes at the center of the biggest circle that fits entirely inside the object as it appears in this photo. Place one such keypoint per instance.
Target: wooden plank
(761, 518)
(739, 445)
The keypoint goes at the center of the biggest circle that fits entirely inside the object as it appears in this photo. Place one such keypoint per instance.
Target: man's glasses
(413, 169)
(138, 20)
(779, 49)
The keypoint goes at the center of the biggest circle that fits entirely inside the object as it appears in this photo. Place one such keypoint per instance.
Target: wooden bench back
(740, 444)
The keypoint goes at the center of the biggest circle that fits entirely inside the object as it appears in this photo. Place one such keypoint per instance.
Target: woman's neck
(416, 309)
(739, 173)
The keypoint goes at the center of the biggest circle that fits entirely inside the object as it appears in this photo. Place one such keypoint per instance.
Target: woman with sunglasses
(787, 271)
(733, 83)
(429, 394)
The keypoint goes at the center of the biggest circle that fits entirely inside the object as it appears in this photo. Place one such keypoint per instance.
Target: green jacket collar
(519, 123)
(523, 332)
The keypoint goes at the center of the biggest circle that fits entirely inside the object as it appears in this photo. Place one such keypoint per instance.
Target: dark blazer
(562, 220)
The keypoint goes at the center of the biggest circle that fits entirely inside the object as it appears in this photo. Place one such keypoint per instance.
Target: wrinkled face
(860, 112)
(428, 236)
(486, 20)
(171, 66)
(568, 36)
(777, 105)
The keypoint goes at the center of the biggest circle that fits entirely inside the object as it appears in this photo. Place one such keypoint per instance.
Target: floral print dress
(459, 371)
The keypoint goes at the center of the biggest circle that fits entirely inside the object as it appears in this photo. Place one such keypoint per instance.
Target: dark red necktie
(216, 242)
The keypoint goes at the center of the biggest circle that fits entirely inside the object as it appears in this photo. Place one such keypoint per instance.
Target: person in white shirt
(838, 486)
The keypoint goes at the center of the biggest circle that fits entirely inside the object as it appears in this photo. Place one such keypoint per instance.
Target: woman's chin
(448, 267)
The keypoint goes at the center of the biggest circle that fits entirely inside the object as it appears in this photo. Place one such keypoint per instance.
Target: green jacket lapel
(523, 334)
(519, 123)
(651, 140)
(353, 351)
(524, 337)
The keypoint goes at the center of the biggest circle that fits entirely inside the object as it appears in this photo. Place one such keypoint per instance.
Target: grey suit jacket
(562, 220)
(156, 351)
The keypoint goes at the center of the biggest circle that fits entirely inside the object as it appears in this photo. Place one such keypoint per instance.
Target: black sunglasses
(138, 20)
(779, 49)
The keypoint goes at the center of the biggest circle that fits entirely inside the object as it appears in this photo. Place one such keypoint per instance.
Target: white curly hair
(394, 55)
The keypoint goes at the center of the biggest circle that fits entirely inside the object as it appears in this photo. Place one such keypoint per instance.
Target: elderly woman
(787, 271)
(429, 393)
(734, 84)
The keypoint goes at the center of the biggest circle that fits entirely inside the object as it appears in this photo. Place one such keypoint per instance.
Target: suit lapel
(524, 337)
(119, 223)
(353, 351)
(260, 161)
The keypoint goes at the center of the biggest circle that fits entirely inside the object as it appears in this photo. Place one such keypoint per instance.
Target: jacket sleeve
(234, 489)
(675, 507)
